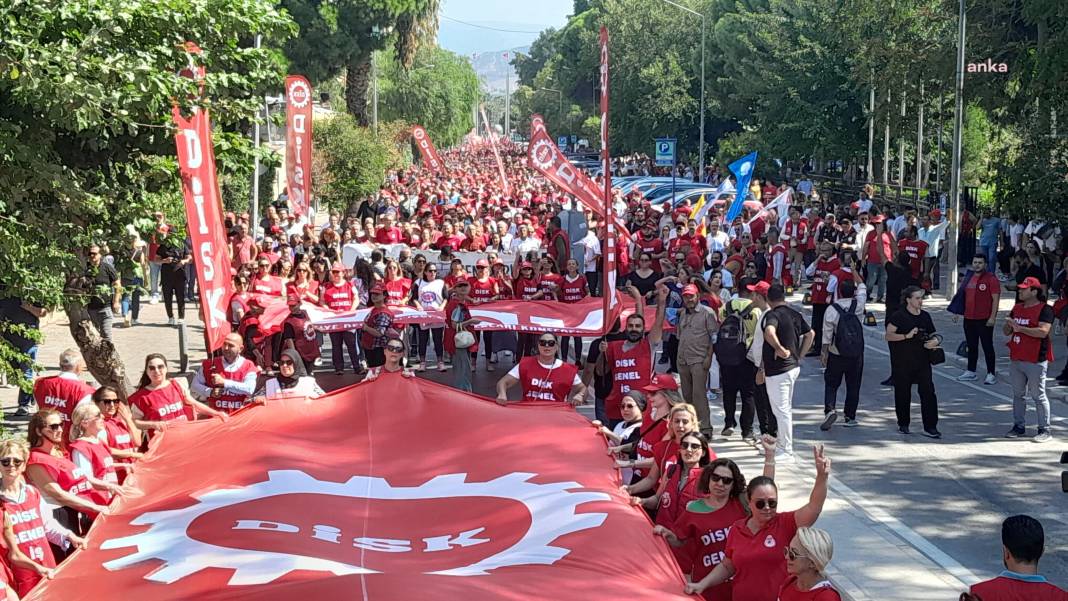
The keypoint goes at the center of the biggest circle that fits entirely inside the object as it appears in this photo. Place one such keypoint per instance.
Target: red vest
(785, 276)
(28, 526)
(630, 369)
(916, 249)
(119, 437)
(1028, 348)
(305, 340)
(542, 383)
(550, 285)
(840, 275)
(272, 286)
(398, 291)
(560, 260)
(653, 246)
(572, 292)
(797, 233)
(483, 291)
(100, 457)
(69, 477)
(338, 298)
(61, 394)
(367, 340)
(241, 300)
(673, 500)
(307, 291)
(824, 269)
(651, 435)
(163, 404)
(227, 402)
(525, 288)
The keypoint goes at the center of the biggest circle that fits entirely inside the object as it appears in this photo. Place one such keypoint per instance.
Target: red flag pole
(608, 243)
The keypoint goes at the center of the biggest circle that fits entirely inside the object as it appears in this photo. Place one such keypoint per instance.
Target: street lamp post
(701, 148)
(954, 188)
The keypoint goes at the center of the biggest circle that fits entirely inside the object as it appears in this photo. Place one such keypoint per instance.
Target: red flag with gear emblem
(349, 496)
(426, 148)
(298, 143)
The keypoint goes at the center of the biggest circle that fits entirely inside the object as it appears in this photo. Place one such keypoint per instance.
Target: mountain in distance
(492, 68)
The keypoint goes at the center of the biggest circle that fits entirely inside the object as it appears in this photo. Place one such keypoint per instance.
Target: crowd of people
(722, 332)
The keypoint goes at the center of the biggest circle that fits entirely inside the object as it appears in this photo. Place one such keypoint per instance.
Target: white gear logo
(299, 94)
(542, 154)
(551, 506)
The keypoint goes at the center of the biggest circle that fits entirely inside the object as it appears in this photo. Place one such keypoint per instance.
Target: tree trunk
(101, 357)
(357, 79)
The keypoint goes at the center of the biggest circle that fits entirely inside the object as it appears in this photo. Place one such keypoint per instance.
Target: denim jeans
(131, 299)
(876, 278)
(26, 398)
(1030, 379)
(153, 278)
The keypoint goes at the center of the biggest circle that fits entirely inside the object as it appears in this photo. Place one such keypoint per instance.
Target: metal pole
(507, 104)
(374, 93)
(901, 149)
(954, 187)
(938, 155)
(701, 152)
(871, 131)
(919, 143)
(255, 215)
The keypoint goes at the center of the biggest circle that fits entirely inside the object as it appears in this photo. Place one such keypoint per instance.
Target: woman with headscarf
(292, 379)
(806, 558)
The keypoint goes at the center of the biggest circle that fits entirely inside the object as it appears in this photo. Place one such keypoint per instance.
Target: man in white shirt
(862, 227)
(592, 247)
(717, 239)
(804, 186)
(525, 242)
(232, 362)
(852, 294)
(933, 233)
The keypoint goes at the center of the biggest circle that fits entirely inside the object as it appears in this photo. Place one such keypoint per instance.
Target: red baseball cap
(935, 214)
(661, 382)
(760, 288)
(877, 219)
(526, 265)
(481, 263)
(1028, 283)
(690, 289)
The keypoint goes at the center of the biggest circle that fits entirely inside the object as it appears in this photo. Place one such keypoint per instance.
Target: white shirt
(592, 244)
(718, 241)
(933, 236)
(306, 387)
(246, 387)
(863, 205)
(830, 319)
(523, 247)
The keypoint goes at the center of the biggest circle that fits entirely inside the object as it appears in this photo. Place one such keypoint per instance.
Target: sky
(522, 18)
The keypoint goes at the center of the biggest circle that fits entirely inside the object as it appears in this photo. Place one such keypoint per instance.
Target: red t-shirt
(271, 286)
(483, 291)
(873, 252)
(823, 591)
(525, 288)
(390, 235)
(1007, 588)
(759, 563)
(338, 297)
(549, 283)
(398, 291)
(572, 291)
(647, 443)
(630, 369)
(916, 250)
(705, 534)
(978, 301)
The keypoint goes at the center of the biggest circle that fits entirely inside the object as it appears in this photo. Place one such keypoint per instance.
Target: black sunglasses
(9, 461)
(690, 446)
(54, 427)
(286, 362)
(726, 480)
(108, 401)
(546, 343)
(769, 503)
(394, 348)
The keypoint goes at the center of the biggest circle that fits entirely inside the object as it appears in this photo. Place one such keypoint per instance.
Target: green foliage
(351, 161)
(976, 144)
(528, 65)
(437, 93)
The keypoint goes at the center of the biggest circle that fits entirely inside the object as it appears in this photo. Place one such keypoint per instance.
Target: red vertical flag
(426, 148)
(298, 142)
(496, 154)
(537, 123)
(203, 210)
(608, 244)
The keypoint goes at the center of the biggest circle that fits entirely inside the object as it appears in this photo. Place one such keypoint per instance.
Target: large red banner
(537, 122)
(203, 211)
(608, 243)
(363, 494)
(426, 148)
(298, 142)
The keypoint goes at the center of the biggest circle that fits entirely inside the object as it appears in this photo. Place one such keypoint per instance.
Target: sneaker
(172, 322)
(990, 380)
(181, 322)
(828, 420)
(888, 382)
(441, 365)
(931, 433)
(903, 430)
(783, 457)
(749, 439)
(1015, 433)
(728, 431)
(22, 412)
(154, 300)
(968, 376)
(135, 322)
(126, 321)
(711, 395)
(489, 367)
(1043, 436)
(850, 423)
(420, 365)
(318, 362)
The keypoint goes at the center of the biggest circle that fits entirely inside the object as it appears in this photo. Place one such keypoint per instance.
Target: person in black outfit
(174, 256)
(1026, 269)
(103, 302)
(909, 333)
(898, 278)
(602, 384)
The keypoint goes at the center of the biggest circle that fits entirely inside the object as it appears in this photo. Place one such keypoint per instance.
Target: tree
(528, 65)
(437, 93)
(86, 140)
(351, 163)
(341, 35)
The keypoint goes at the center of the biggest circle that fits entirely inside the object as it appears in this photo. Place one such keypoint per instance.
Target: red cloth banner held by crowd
(608, 243)
(203, 211)
(298, 143)
(537, 122)
(323, 500)
(492, 135)
(426, 148)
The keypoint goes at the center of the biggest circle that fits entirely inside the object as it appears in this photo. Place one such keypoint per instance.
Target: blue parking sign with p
(665, 152)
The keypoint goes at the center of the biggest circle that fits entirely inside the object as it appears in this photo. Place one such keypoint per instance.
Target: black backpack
(848, 334)
(730, 345)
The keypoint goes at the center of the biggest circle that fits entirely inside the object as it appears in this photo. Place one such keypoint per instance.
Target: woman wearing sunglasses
(302, 284)
(62, 483)
(430, 296)
(755, 555)
(807, 557)
(29, 552)
(662, 394)
(681, 420)
(699, 535)
(121, 434)
(543, 377)
(292, 378)
(628, 430)
(159, 400)
(395, 350)
(90, 454)
(679, 484)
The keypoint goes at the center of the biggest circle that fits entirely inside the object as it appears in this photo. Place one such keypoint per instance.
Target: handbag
(962, 349)
(936, 355)
(463, 339)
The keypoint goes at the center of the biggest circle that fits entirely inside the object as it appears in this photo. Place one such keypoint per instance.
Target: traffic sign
(665, 152)
(562, 142)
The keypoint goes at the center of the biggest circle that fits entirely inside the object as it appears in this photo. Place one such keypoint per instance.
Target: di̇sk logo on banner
(445, 526)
